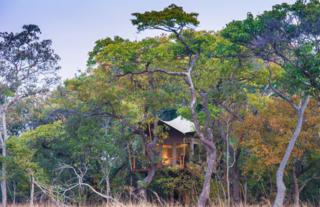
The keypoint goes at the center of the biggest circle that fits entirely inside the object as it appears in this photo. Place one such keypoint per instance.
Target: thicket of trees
(252, 91)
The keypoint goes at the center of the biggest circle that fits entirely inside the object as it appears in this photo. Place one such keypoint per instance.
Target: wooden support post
(191, 150)
(174, 154)
(192, 147)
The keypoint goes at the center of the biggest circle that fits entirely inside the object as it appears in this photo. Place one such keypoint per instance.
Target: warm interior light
(166, 154)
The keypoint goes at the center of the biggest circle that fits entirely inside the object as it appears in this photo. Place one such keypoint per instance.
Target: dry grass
(137, 205)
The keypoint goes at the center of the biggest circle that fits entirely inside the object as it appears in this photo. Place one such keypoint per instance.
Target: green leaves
(214, 112)
(287, 35)
(23, 58)
(172, 18)
(99, 46)
(24, 150)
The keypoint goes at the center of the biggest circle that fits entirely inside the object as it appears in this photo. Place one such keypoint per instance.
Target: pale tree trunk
(14, 194)
(204, 196)
(106, 175)
(31, 191)
(296, 190)
(108, 190)
(228, 166)
(281, 188)
(4, 179)
(205, 134)
(4, 138)
(232, 169)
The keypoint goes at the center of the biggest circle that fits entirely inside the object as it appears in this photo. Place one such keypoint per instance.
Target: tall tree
(198, 64)
(118, 59)
(288, 36)
(28, 66)
(174, 20)
(265, 137)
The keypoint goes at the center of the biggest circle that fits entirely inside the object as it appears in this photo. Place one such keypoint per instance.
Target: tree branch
(280, 94)
(157, 70)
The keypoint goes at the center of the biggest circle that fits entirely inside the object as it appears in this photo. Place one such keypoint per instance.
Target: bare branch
(80, 175)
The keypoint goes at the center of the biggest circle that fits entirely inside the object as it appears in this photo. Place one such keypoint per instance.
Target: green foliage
(213, 109)
(271, 36)
(172, 18)
(97, 121)
(179, 182)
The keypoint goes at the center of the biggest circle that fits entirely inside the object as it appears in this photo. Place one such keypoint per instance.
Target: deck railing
(166, 162)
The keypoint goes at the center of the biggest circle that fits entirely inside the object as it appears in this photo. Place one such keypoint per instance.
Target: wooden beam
(174, 154)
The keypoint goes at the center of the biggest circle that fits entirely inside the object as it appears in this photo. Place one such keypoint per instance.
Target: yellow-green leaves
(171, 18)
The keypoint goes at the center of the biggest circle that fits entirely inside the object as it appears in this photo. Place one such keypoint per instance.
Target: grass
(138, 205)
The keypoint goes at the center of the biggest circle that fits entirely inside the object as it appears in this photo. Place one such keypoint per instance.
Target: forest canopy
(191, 116)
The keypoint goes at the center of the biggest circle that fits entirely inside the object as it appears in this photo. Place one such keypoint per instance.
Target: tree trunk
(205, 134)
(4, 155)
(245, 193)
(235, 186)
(4, 179)
(14, 193)
(31, 191)
(108, 190)
(281, 188)
(151, 155)
(233, 172)
(147, 180)
(228, 168)
(296, 190)
(204, 196)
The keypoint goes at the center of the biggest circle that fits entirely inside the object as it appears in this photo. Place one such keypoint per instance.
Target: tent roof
(181, 124)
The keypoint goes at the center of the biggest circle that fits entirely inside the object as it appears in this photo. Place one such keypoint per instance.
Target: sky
(75, 25)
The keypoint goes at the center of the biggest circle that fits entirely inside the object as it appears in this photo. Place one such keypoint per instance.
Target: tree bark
(205, 134)
(150, 148)
(235, 185)
(31, 191)
(4, 179)
(228, 167)
(204, 196)
(108, 190)
(150, 151)
(281, 188)
(14, 194)
(233, 172)
(296, 190)
(4, 155)
(147, 180)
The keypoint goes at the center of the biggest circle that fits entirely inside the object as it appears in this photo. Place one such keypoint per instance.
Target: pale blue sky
(74, 25)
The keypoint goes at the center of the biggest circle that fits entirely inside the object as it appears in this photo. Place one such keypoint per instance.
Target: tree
(137, 68)
(199, 62)
(265, 137)
(173, 19)
(22, 155)
(286, 36)
(28, 66)
(117, 60)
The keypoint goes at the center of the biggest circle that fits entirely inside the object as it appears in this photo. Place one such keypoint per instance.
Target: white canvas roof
(181, 124)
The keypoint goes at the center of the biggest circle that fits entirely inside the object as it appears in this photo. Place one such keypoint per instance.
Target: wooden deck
(134, 168)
